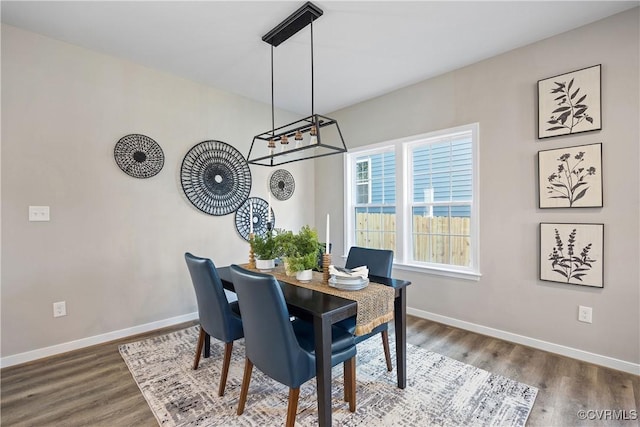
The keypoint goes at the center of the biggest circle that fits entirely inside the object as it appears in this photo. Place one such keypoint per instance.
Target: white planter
(265, 264)
(304, 275)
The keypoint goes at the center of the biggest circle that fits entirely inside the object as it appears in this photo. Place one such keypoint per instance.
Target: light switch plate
(38, 213)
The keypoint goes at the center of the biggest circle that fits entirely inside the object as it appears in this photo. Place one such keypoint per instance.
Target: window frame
(369, 183)
(403, 253)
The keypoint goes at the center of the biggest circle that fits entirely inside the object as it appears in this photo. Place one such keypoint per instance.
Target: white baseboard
(574, 353)
(97, 339)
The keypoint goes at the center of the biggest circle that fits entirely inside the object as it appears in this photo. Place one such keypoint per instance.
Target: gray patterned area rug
(440, 390)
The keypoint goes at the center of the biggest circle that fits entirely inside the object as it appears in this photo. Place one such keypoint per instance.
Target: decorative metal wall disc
(282, 184)
(259, 207)
(138, 156)
(215, 177)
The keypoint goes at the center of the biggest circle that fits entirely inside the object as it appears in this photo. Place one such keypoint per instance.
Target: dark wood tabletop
(305, 303)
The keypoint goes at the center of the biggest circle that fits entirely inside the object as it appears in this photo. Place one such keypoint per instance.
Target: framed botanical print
(570, 103)
(572, 253)
(570, 177)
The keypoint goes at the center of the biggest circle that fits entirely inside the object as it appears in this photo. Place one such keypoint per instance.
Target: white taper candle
(327, 239)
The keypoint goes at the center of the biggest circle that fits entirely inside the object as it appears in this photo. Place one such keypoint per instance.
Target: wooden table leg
(400, 314)
(322, 330)
(207, 345)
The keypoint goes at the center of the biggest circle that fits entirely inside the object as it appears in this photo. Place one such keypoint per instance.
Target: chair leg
(244, 390)
(350, 383)
(345, 374)
(292, 408)
(196, 361)
(385, 345)
(228, 347)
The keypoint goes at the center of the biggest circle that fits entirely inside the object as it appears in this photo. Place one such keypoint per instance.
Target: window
(373, 206)
(433, 223)
(363, 181)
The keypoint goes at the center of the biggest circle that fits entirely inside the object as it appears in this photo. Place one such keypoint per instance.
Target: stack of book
(348, 279)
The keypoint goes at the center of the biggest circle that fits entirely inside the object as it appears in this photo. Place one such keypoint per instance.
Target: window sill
(456, 274)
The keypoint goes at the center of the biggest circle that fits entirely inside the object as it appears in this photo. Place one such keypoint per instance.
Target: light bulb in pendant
(298, 138)
(284, 143)
(314, 135)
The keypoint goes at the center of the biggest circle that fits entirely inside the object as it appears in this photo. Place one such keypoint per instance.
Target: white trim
(369, 183)
(574, 353)
(436, 271)
(403, 252)
(28, 356)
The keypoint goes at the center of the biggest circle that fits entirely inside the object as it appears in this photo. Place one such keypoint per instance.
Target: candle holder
(326, 262)
(252, 256)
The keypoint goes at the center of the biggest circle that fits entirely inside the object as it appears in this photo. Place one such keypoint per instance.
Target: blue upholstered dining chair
(218, 318)
(281, 348)
(379, 262)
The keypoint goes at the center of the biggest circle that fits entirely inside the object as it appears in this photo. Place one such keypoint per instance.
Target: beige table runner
(375, 302)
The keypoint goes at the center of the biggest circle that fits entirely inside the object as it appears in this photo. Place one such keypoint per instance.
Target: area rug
(440, 390)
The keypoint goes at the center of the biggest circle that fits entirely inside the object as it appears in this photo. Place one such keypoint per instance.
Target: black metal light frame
(299, 19)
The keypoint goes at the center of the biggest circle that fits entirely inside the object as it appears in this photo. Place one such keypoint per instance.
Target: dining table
(323, 310)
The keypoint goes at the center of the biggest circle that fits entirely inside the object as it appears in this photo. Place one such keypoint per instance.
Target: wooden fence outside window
(441, 240)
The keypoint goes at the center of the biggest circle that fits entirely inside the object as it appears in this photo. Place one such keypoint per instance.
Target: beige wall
(114, 247)
(500, 94)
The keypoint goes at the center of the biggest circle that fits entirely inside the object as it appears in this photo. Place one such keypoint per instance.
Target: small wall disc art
(570, 103)
(282, 184)
(138, 156)
(572, 253)
(254, 210)
(570, 177)
(215, 177)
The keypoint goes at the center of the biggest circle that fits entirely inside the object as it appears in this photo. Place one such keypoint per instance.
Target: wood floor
(93, 387)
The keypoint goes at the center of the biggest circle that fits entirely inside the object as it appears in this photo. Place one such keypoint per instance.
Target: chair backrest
(213, 306)
(270, 342)
(379, 261)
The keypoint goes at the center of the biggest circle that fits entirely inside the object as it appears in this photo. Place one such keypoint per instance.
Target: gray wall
(114, 247)
(500, 94)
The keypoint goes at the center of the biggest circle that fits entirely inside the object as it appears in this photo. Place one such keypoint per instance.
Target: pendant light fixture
(306, 132)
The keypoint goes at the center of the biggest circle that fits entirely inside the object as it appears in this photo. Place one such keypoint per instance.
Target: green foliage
(303, 262)
(264, 247)
(301, 250)
(285, 243)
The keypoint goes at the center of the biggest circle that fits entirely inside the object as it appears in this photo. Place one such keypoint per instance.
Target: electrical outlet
(38, 213)
(585, 314)
(59, 309)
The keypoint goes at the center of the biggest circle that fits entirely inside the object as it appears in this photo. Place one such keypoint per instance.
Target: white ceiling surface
(362, 49)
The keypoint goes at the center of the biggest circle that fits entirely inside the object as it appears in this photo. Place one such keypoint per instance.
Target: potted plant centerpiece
(304, 257)
(265, 249)
(286, 248)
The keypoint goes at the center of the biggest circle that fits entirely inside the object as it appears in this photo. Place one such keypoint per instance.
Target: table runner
(375, 302)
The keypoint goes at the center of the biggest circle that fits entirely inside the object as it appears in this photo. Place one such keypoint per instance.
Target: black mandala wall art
(215, 177)
(255, 210)
(138, 156)
(282, 184)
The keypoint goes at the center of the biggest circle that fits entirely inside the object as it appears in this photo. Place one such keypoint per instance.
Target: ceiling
(362, 49)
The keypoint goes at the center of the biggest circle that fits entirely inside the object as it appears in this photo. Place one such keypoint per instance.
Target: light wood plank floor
(93, 387)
